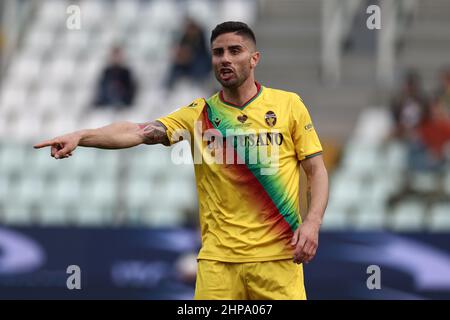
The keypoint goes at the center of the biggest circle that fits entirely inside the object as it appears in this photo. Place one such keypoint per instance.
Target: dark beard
(234, 84)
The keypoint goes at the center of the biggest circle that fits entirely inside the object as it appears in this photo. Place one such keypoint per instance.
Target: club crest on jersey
(217, 121)
(271, 118)
(242, 118)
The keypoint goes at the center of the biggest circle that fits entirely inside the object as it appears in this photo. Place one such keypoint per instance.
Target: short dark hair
(239, 28)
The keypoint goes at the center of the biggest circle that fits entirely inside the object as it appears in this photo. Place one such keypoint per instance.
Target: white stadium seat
(370, 217)
(440, 218)
(408, 216)
(101, 192)
(17, 213)
(94, 214)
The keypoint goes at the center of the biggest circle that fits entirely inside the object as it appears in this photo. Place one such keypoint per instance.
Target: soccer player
(247, 143)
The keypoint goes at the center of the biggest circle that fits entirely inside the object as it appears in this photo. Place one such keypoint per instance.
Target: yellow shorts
(269, 280)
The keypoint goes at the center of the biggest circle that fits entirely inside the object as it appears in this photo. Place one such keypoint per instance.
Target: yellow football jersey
(247, 171)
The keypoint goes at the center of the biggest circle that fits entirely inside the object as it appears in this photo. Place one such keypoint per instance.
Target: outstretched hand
(305, 241)
(61, 147)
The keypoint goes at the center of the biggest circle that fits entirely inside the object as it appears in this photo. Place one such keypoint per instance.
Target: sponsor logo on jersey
(242, 118)
(271, 118)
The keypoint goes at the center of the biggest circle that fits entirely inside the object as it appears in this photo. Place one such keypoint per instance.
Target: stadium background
(128, 218)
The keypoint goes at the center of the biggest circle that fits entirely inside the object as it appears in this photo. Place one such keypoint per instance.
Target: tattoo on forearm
(308, 195)
(154, 132)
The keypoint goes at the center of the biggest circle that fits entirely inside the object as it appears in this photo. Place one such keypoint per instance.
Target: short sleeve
(180, 123)
(304, 135)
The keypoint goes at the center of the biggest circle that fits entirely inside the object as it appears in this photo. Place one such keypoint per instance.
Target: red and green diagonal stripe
(269, 190)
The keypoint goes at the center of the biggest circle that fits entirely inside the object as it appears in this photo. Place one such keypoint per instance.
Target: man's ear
(254, 59)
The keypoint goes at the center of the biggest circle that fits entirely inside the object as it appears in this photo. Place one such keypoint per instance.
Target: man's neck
(241, 95)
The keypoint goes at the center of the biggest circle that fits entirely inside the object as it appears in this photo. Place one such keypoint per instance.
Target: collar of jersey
(259, 88)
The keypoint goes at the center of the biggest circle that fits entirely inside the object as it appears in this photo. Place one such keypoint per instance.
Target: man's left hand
(305, 241)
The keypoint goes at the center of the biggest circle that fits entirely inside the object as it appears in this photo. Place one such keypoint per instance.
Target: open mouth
(226, 73)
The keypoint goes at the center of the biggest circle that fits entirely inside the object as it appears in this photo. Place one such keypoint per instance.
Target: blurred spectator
(116, 87)
(444, 91)
(191, 56)
(428, 146)
(408, 107)
(434, 133)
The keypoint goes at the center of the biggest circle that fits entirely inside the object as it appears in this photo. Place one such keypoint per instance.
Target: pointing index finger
(42, 144)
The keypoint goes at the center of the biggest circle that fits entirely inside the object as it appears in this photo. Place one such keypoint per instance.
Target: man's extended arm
(306, 237)
(117, 135)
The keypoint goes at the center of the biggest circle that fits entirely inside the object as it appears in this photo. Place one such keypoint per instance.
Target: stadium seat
(381, 188)
(395, 158)
(446, 182)
(155, 159)
(27, 127)
(4, 130)
(80, 99)
(59, 123)
(361, 158)
(372, 125)
(83, 162)
(5, 187)
(108, 163)
(179, 193)
(95, 118)
(408, 216)
(335, 219)
(61, 70)
(53, 12)
(370, 217)
(100, 192)
(47, 100)
(238, 10)
(39, 40)
(27, 67)
(29, 189)
(205, 12)
(16, 80)
(103, 40)
(162, 216)
(347, 188)
(440, 218)
(161, 13)
(53, 213)
(145, 44)
(64, 190)
(16, 213)
(94, 12)
(127, 11)
(42, 161)
(424, 182)
(12, 158)
(141, 193)
(13, 99)
(89, 214)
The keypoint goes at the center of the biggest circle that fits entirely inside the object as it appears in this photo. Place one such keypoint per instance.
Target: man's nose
(225, 59)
